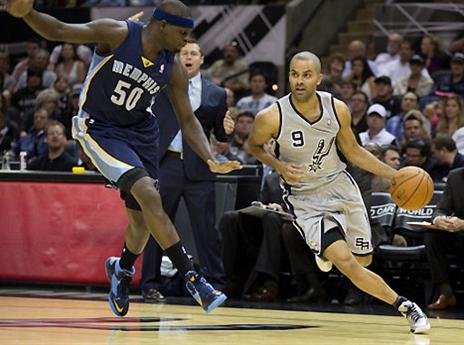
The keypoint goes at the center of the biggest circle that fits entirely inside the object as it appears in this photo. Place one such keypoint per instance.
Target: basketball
(411, 188)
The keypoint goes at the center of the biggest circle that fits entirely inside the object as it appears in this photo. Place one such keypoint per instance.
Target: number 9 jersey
(312, 144)
(120, 85)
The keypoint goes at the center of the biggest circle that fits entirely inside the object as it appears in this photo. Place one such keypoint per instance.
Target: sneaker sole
(109, 272)
(216, 303)
(422, 330)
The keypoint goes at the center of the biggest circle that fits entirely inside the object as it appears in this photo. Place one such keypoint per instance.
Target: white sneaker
(323, 264)
(418, 322)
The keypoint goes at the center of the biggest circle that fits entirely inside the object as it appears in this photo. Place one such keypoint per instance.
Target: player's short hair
(308, 56)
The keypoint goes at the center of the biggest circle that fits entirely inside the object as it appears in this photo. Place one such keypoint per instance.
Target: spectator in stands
(448, 218)
(303, 266)
(23, 100)
(357, 49)
(331, 82)
(8, 80)
(394, 125)
(347, 89)
(66, 117)
(8, 132)
(32, 47)
(432, 51)
(34, 142)
(228, 70)
(417, 153)
(415, 126)
(39, 61)
(255, 243)
(358, 105)
(47, 99)
(452, 120)
(69, 66)
(391, 55)
(416, 81)
(56, 159)
(258, 99)
(62, 87)
(384, 96)
(376, 133)
(83, 52)
(447, 157)
(243, 123)
(400, 68)
(362, 76)
(221, 151)
(454, 81)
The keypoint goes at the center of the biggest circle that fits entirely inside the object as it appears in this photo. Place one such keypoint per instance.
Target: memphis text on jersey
(137, 75)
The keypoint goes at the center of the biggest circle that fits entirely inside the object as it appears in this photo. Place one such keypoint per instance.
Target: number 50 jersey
(120, 85)
(312, 144)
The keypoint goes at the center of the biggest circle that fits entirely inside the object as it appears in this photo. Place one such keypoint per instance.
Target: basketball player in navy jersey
(131, 63)
(330, 215)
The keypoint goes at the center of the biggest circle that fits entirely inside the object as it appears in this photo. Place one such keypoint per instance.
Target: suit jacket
(210, 114)
(452, 202)
(271, 192)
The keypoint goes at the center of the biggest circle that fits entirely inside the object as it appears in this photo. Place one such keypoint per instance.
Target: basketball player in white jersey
(330, 215)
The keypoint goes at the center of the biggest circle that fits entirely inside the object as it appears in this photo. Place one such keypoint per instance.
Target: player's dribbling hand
(223, 167)
(17, 8)
(292, 173)
(228, 123)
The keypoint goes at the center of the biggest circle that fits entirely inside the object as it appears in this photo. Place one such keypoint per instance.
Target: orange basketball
(411, 188)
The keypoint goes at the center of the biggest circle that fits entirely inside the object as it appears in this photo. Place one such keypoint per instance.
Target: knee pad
(125, 184)
(128, 179)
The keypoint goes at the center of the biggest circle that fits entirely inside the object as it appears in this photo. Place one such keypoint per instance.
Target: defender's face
(190, 56)
(175, 37)
(304, 77)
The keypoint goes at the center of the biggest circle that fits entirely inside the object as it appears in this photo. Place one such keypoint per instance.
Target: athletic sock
(127, 258)
(179, 258)
(399, 301)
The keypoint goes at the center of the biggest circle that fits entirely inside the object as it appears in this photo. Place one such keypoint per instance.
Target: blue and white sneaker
(203, 292)
(119, 281)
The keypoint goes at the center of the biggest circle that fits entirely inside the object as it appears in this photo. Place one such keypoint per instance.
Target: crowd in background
(407, 109)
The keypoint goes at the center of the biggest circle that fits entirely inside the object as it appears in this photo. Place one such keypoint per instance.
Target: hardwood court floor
(34, 321)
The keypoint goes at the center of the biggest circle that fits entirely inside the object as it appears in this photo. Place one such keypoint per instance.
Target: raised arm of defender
(354, 152)
(107, 31)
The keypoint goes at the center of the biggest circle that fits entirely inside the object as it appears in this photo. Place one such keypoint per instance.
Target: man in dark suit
(447, 238)
(182, 173)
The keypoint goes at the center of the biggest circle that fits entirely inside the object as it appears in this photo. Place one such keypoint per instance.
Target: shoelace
(123, 286)
(414, 313)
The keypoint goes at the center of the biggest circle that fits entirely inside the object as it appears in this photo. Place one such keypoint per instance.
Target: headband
(159, 14)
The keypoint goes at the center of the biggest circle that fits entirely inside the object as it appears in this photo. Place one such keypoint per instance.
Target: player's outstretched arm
(354, 152)
(191, 128)
(109, 31)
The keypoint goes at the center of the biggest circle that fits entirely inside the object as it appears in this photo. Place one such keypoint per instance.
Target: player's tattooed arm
(354, 152)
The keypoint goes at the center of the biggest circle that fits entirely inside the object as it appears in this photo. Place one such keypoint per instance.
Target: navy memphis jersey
(121, 84)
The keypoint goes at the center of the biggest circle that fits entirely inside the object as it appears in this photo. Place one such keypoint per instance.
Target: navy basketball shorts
(116, 150)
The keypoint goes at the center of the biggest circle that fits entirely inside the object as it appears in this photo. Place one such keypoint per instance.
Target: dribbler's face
(304, 77)
(190, 56)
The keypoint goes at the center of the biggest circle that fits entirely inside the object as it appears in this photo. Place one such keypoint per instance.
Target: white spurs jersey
(312, 144)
